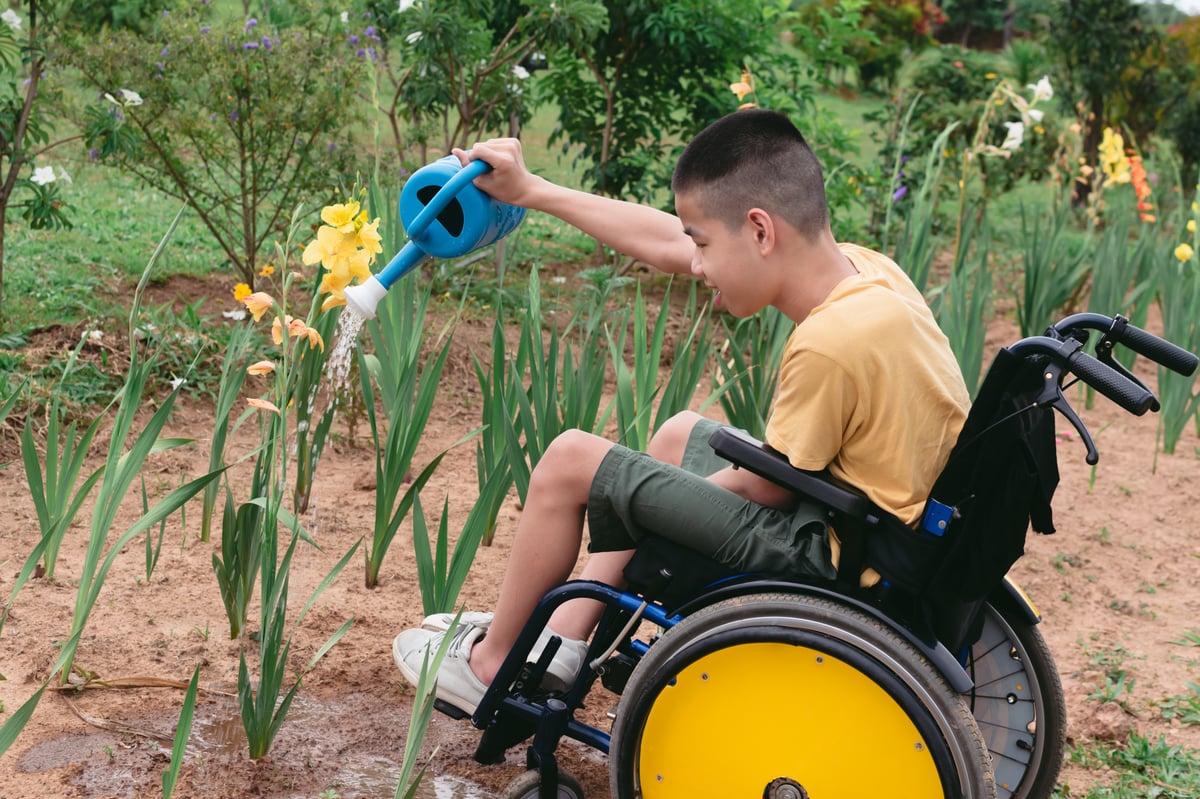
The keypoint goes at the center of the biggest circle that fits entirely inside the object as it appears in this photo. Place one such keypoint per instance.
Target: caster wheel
(528, 785)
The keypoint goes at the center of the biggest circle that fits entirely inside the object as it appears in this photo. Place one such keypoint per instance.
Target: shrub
(239, 120)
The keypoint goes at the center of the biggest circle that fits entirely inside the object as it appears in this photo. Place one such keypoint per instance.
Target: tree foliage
(458, 69)
(653, 77)
(26, 34)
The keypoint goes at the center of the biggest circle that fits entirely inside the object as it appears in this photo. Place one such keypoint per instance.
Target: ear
(762, 226)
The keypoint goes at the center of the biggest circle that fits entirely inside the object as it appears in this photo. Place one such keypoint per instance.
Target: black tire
(1018, 703)
(529, 783)
(829, 639)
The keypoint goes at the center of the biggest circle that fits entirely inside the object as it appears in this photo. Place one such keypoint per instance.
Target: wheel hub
(784, 788)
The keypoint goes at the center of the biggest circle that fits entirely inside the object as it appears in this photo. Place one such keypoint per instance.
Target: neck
(813, 270)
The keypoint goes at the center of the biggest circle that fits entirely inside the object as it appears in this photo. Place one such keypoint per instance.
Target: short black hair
(754, 158)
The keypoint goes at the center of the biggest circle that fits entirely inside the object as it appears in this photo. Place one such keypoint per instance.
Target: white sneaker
(456, 683)
(440, 622)
(565, 665)
(561, 672)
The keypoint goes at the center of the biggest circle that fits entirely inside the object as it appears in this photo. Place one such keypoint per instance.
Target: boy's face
(723, 258)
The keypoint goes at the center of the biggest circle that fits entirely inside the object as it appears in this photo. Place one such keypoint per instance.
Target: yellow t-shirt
(870, 389)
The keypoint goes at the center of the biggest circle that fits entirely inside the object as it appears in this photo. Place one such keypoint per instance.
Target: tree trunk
(1091, 147)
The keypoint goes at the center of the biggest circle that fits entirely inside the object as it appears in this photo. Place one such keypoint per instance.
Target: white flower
(43, 175)
(413, 37)
(1042, 89)
(1035, 114)
(1016, 135)
(63, 176)
(94, 336)
(405, 5)
(128, 98)
(237, 315)
(176, 382)
(520, 72)
(345, 17)
(12, 18)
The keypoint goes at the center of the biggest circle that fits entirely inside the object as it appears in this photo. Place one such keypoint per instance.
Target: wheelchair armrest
(749, 453)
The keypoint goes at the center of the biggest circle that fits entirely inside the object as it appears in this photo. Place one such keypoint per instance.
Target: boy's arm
(750, 486)
(647, 234)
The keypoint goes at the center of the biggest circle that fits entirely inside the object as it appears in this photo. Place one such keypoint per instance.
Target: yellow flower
(990, 76)
(241, 291)
(1113, 158)
(258, 304)
(368, 237)
(1191, 226)
(261, 368)
(262, 404)
(1184, 252)
(340, 216)
(267, 270)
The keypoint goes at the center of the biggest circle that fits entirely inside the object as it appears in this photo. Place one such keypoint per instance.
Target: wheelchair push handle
(1119, 330)
(1129, 395)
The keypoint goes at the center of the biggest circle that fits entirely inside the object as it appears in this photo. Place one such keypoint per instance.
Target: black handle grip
(1158, 350)
(1112, 384)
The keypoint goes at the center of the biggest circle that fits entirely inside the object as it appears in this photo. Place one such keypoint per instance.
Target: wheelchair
(933, 681)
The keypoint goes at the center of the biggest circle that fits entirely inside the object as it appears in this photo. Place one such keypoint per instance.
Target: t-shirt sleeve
(814, 411)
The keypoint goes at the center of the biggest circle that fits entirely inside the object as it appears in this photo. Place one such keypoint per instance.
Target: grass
(1140, 768)
(69, 276)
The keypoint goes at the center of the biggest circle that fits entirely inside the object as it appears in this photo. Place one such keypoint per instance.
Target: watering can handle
(445, 194)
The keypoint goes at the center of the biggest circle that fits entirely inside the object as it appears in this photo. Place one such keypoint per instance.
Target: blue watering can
(445, 216)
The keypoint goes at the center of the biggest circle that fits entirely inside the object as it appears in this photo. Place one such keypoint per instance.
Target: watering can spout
(445, 216)
(364, 298)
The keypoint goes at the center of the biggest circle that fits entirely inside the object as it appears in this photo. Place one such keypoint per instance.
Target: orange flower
(743, 87)
(1141, 188)
(261, 368)
(262, 404)
(296, 329)
(258, 304)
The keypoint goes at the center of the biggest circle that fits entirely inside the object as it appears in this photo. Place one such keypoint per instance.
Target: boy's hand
(509, 180)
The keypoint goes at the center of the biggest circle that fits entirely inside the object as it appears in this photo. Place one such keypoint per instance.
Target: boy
(868, 389)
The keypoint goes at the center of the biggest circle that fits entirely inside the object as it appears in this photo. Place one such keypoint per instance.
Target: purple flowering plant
(238, 120)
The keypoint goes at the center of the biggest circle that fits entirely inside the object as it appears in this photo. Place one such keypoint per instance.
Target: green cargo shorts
(634, 495)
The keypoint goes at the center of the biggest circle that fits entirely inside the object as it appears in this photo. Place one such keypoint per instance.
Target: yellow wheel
(791, 696)
(1018, 703)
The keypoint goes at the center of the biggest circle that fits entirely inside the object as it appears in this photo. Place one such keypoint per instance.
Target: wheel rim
(1006, 703)
(864, 744)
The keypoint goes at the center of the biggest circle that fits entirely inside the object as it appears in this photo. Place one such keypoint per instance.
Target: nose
(697, 269)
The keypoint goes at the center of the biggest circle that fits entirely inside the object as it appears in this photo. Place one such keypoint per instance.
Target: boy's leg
(545, 551)
(547, 543)
(577, 619)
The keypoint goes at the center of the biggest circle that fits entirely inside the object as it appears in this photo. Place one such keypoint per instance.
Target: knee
(567, 457)
(669, 441)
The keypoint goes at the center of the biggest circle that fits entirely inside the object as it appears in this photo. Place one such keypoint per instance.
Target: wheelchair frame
(515, 709)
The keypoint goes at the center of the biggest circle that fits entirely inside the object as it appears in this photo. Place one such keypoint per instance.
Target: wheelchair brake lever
(1052, 396)
(1104, 354)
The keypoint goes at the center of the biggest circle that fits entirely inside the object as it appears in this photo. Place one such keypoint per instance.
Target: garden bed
(1117, 586)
